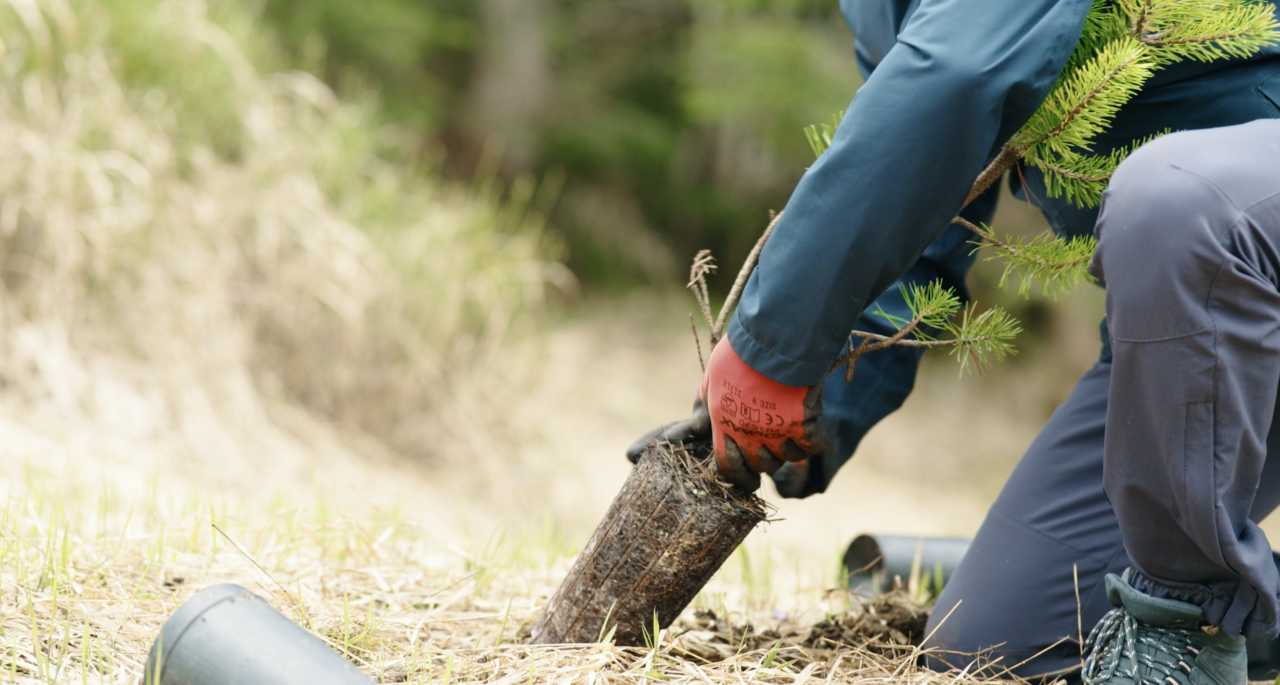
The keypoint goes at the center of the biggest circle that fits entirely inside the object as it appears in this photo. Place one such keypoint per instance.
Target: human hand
(757, 424)
(696, 428)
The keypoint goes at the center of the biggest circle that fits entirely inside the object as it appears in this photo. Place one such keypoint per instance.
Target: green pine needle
(1104, 24)
(820, 135)
(975, 340)
(1122, 43)
(1079, 178)
(1085, 102)
(982, 338)
(1202, 30)
(1082, 178)
(933, 305)
(1055, 265)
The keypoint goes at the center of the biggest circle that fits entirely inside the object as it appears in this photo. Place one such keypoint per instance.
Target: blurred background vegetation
(663, 126)
(654, 128)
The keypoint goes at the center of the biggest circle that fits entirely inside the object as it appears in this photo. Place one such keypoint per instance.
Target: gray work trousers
(1158, 460)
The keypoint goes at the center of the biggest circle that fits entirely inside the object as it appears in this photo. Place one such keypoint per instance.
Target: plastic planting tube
(873, 561)
(226, 635)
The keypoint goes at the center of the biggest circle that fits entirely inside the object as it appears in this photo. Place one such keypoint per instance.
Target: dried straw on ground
(87, 583)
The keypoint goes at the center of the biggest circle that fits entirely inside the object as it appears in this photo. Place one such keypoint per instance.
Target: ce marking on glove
(754, 415)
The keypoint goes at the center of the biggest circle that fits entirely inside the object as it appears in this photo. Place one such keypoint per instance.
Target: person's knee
(1148, 204)
(1159, 225)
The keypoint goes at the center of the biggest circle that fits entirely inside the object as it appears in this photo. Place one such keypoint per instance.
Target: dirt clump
(886, 622)
(890, 625)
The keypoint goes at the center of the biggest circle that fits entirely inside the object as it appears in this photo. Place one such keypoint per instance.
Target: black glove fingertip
(637, 448)
(700, 422)
(740, 475)
(766, 461)
(792, 452)
(813, 400)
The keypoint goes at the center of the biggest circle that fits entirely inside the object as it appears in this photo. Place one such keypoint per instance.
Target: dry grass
(216, 239)
(87, 579)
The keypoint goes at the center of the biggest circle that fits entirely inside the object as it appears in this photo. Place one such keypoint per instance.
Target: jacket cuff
(774, 364)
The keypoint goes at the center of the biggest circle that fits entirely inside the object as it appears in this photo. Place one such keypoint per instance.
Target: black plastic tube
(226, 635)
(873, 561)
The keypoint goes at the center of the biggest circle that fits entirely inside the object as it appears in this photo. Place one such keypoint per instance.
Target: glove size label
(733, 393)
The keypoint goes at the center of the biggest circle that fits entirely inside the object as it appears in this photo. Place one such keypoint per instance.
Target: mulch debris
(889, 624)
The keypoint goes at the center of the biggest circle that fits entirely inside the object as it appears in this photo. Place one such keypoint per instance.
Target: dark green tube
(226, 635)
(873, 561)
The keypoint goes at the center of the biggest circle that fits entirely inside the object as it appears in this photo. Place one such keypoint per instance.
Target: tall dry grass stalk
(222, 239)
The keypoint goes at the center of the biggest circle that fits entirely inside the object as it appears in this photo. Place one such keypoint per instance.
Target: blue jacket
(948, 82)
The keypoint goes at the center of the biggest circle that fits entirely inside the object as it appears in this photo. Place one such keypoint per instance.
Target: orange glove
(757, 423)
(754, 423)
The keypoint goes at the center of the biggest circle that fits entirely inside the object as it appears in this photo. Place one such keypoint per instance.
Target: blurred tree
(511, 86)
(675, 124)
(419, 54)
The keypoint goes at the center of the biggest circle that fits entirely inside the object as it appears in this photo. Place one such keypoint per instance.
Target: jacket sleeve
(961, 79)
(883, 380)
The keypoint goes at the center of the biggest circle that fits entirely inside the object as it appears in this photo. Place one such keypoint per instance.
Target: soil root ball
(667, 532)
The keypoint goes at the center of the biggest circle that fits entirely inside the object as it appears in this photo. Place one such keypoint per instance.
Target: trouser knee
(1162, 234)
(1157, 224)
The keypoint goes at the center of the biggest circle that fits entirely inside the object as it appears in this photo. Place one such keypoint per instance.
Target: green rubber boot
(1150, 641)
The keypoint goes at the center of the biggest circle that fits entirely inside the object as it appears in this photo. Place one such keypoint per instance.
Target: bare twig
(1009, 155)
(979, 231)
(1075, 576)
(1074, 175)
(910, 342)
(697, 342)
(703, 264)
(1153, 40)
(883, 342)
(748, 266)
(1138, 24)
(848, 374)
